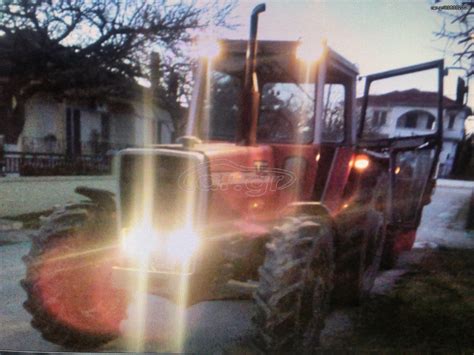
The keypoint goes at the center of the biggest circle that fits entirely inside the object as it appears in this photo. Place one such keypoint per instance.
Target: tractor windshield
(286, 113)
(287, 96)
(222, 107)
(286, 110)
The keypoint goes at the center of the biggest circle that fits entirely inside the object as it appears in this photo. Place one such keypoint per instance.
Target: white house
(413, 112)
(79, 127)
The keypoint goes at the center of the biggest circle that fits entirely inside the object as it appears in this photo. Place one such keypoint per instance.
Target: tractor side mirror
(461, 91)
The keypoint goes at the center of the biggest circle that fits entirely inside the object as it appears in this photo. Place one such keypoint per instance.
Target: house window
(430, 122)
(73, 132)
(416, 119)
(159, 132)
(380, 118)
(411, 120)
(452, 119)
(105, 127)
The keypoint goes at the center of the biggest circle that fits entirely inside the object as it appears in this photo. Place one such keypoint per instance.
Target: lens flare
(182, 245)
(139, 242)
(207, 47)
(143, 212)
(310, 52)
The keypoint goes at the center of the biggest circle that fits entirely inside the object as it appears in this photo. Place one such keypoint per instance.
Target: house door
(73, 132)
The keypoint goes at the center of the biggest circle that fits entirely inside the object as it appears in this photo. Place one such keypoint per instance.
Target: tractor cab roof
(274, 54)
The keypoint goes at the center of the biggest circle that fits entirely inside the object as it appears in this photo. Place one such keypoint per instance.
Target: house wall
(457, 131)
(90, 124)
(166, 131)
(43, 116)
(122, 128)
(46, 116)
(147, 123)
(394, 113)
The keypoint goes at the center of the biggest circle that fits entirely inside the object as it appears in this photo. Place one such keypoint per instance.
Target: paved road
(213, 327)
(15, 329)
(444, 219)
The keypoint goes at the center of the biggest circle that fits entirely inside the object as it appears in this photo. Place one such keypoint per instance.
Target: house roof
(411, 97)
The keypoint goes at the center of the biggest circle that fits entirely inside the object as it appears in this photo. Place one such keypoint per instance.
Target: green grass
(430, 310)
(30, 220)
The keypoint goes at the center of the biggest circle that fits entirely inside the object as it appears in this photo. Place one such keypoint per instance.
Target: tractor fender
(102, 198)
(309, 207)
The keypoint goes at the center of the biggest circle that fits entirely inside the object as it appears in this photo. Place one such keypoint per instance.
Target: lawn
(430, 310)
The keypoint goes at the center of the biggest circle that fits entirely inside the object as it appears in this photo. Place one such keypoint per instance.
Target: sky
(375, 35)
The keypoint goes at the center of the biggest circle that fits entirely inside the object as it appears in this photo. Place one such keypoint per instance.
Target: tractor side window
(411, 174)
(286, 113)
(333, 113)
(222, 107)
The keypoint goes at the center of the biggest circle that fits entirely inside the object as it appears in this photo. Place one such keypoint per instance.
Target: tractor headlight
(181, 245)
(178, 247)
(139, 242)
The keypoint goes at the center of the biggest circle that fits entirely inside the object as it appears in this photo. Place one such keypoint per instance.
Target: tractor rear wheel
(372, 248)
(68, 286)
(359, 259)
(362, 230)
(397, 241)
(296, 280)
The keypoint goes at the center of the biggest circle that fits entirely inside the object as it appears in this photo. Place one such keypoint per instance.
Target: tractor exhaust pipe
(247, 131)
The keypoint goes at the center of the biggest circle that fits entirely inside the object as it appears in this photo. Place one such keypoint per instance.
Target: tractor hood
(235, 187)
(228, 156)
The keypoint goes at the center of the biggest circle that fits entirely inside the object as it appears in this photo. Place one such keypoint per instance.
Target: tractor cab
(290, 110)
(302, 110)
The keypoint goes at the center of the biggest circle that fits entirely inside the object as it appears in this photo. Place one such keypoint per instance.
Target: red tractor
(281, 191)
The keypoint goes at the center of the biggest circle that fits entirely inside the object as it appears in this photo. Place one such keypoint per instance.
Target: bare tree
(172, 81)
(59, 45)
(457, 30)
(333, 113)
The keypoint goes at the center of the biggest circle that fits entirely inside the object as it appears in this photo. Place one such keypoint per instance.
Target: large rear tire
(363, 227)
(68, 285)
(296, 280)
(397, 241)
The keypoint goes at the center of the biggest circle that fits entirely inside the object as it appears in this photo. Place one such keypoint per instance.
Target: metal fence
(50, 164)
(51, 145)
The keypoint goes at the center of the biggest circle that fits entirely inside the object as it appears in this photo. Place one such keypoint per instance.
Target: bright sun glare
(310, 51)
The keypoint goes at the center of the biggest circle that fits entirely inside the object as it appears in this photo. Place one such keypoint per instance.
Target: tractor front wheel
(68, 284)
(296, 280)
